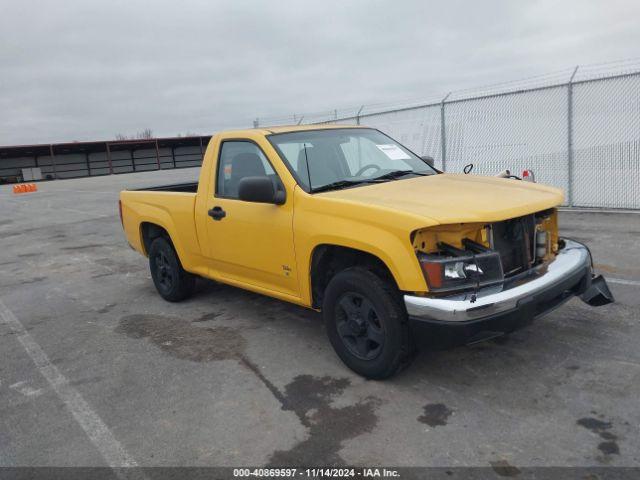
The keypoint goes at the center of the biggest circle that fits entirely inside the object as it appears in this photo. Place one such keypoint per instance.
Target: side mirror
(428, 159)
(260, 190)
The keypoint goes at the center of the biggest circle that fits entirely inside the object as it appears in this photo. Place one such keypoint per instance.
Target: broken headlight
(464, 271)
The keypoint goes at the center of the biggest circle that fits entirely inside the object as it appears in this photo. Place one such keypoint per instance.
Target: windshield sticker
(393, 152)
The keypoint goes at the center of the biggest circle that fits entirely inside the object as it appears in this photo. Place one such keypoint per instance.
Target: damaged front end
(469, 257)
(491, 278)
(598, 293)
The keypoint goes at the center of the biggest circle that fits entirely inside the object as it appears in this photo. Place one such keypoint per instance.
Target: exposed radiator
(514, 240)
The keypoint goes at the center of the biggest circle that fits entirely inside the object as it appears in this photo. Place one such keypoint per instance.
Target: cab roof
(301, 128)
(295, 128)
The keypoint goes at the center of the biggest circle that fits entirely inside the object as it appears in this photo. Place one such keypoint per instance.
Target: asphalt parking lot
(96, 369)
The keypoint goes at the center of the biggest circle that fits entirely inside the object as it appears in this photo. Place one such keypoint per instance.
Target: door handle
(217, 213)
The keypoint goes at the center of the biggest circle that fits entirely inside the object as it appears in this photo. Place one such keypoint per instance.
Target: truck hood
(454, 198)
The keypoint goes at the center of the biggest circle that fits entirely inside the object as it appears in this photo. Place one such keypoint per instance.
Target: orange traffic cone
(15, 189)
(34, 187)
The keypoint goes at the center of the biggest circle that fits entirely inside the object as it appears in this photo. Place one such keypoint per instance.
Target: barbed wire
(581, 73)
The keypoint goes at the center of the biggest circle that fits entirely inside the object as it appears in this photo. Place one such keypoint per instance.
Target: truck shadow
(252, 307)
(510, 380)
(563, 341)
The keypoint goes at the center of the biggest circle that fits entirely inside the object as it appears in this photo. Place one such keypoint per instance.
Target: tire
(367, 323)
(173, 283)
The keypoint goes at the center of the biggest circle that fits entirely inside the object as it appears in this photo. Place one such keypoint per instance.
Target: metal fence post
(157, 154)
(202, 150)
(443, 135)
(358, 115)
(53, 162)
(570, 137)
(109, 158)
(133, 160)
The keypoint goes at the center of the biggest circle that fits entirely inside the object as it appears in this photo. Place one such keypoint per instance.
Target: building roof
(13, 151)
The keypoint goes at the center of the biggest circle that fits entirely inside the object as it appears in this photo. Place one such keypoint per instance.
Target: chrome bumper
(491, 301)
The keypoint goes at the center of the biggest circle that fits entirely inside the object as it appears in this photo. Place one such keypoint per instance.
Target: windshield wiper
(349, 183)
(397, 173)
(336, 185)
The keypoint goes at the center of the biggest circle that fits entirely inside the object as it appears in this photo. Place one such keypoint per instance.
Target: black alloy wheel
(172, 281)
(367, 323)
(165, 273)
(359, 326)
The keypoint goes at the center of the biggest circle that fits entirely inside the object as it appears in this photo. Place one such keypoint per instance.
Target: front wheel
(171, 280)
(366, 323)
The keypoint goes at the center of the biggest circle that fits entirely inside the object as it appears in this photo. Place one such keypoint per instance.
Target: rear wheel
(171, 280)
(367, 324)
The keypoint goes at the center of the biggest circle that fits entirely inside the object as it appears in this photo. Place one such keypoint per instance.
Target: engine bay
(470, 256)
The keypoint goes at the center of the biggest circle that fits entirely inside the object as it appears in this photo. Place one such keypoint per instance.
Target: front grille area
(514, 240)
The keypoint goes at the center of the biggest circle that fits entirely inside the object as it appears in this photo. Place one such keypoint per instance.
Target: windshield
(338, 158)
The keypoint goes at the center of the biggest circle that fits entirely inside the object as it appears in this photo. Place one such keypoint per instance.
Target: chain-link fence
(578, 129)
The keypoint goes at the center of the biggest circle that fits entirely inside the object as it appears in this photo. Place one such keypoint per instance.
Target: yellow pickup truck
(347, 221)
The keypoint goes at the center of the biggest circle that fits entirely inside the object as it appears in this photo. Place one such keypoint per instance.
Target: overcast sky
(88, 70)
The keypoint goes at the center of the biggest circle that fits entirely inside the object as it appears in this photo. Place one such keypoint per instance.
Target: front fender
(394, 251)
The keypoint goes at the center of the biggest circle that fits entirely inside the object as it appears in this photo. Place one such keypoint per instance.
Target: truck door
(250, 243)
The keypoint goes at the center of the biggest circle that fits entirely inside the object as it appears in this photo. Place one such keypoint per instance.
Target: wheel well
(328, 260)
(151, 231)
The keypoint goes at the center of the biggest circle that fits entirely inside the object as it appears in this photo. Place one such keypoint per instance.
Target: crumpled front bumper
(497, 310)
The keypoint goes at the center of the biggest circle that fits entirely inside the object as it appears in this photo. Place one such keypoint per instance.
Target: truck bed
(191, 187)
(170, 207)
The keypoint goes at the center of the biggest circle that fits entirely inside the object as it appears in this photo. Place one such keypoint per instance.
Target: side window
(239, 159)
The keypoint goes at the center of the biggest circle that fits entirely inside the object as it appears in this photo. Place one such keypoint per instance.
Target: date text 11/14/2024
(317, 472)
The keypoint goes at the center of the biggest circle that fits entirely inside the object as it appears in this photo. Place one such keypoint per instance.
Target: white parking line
(99, 434)
(622, 281)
